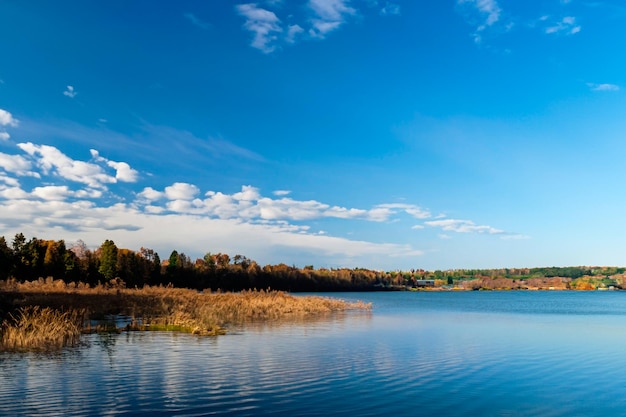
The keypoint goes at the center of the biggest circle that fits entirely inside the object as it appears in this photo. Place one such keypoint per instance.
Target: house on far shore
(425, 283)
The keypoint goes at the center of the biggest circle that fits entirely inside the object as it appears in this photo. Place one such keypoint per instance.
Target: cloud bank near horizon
(45, 193)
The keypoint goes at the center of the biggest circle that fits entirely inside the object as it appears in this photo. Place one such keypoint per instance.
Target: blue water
(417, 354)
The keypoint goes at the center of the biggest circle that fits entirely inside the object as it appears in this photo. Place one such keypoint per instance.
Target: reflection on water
(517, 354)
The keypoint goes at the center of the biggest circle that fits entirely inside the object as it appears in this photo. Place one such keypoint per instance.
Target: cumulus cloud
(249, 205)
(264, 25)
(17, 164)
(52, 192)
(52, 161)
(14, 192)
(70, 92)
(123, 171)
(181, 191)
(567, 26)
(247, 193)
(603, 87)
(245, 220)
(263, 242)
(150, 194)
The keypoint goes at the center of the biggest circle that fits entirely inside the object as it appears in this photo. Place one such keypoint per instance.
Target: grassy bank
(46, 314)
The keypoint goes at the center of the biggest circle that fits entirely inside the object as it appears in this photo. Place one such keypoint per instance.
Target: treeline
(572, 272)
(27, 260)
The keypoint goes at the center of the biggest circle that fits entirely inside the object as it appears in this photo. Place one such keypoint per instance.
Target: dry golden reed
(36, 328)
(166, 308)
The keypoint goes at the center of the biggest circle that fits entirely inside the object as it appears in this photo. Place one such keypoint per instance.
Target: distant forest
(27, 260)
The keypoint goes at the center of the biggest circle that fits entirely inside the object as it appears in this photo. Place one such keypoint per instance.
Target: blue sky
(359, 133)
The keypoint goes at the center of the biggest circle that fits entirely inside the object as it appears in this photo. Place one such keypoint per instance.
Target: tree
(108, 260)
(80, 249)
(54, 261)
(6, 259)
(20, 258)
(152, 266)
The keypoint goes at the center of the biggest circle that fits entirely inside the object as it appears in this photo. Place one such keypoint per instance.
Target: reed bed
(36, 328)
(163, 308)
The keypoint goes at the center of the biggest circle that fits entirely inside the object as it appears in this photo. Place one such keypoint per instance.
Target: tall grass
(36, 328)
(157, 307)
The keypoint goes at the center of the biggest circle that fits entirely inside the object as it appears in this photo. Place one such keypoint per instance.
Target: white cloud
(248, 193)
(266, 243)
(10, 181)
(489, 9)
(321, 17)
(17, 164)
(410, 209)
(70, 92)
(329, 15)
(489, 13)
(6, 119)
(250, 205)
(89, 193)
(52, 192)
(244, 221)
(293, 31)
(286, 208)
(264, 24)
(281, 192)
(417, 227)
(224, 206)
(462, 226)
(123, 171)
(150, 194)
(13, 193)
(567, 25)
(603, 87)
(181, 191)
(52, 161)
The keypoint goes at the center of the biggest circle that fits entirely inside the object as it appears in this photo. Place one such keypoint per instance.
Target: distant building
(425, 283)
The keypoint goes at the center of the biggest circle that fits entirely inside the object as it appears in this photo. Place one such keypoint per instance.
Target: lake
(416, 353)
